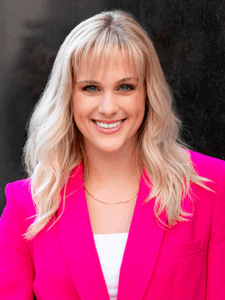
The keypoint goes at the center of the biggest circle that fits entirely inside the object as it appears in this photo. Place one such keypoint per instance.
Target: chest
(107, 218)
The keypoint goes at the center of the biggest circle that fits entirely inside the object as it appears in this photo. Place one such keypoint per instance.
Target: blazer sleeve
(16, 267)
(216, 248)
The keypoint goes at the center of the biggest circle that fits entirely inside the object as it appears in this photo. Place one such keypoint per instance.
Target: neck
(111, 168)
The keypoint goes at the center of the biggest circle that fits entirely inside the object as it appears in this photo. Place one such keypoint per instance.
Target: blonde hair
(54, 146)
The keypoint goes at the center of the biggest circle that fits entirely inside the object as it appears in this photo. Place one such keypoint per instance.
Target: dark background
(189, 37)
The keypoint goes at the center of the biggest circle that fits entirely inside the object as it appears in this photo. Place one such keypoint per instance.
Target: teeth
(104, 125)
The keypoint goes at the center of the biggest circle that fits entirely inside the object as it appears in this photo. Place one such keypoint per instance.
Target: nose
(108, 104)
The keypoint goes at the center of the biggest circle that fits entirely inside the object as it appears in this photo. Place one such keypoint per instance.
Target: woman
(115, 206)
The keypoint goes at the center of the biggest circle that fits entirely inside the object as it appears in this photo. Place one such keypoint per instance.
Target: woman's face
(115, 96)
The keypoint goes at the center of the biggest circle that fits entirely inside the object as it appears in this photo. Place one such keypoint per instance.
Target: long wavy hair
(55, 146)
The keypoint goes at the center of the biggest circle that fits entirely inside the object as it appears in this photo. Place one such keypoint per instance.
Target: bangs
(100, 49)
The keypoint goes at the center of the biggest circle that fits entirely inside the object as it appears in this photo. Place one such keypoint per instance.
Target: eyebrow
(97, 82)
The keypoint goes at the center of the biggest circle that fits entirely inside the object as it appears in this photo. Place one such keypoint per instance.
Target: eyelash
(88, 86)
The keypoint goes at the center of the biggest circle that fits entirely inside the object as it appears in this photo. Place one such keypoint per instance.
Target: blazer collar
(81, 256)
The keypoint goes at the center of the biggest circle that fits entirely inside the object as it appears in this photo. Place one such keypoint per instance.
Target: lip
(109, 122)
(108, 131)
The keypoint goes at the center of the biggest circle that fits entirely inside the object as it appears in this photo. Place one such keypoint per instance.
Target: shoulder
(18, 196)
(20, 190)
(19, 186)
(202, 158)
(209, 167)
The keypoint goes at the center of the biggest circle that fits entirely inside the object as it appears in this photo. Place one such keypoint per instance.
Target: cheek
(140, 102)
(79, 105)
(139, 109)
(80, 109)
(140, 113)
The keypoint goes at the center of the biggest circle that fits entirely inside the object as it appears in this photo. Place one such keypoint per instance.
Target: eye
(126, 87)
(90, 88)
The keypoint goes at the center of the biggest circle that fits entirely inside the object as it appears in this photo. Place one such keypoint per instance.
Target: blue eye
(90, 88)
(126, 87)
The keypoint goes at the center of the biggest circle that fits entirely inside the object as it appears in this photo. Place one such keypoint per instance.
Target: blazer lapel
(78, 245)
(142, 248)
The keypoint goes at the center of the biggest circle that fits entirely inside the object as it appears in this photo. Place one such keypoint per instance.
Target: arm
(16, 267)
(216, 248)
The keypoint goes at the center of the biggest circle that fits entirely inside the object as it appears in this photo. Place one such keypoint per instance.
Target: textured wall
(189, 37)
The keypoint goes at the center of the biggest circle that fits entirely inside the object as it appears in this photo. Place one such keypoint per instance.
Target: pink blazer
(185, 262)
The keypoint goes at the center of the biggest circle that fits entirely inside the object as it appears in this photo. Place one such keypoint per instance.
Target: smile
(108, 128)
(112, 125)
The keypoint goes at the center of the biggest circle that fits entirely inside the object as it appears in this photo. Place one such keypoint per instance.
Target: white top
(110, 249)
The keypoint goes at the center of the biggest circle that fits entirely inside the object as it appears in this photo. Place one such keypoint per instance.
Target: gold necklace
(109, 203)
